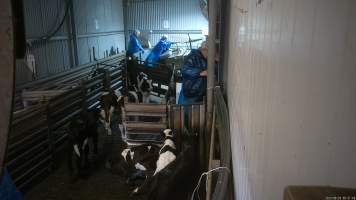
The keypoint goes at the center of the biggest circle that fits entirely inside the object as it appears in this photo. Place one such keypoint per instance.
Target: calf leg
(84, 159)
(95, 142)
(73, 164)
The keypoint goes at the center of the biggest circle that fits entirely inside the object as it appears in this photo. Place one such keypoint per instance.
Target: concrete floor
(100, 184)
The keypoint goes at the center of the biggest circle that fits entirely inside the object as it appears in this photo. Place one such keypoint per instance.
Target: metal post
(211, 60)
(106, 80)
(84, 95)
(126, 32)
(211, 158)
(94, 57)
(72, 31)
(51, 139)
(7, 74)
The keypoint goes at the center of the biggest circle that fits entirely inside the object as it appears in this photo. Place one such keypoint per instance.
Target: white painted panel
(291, 92)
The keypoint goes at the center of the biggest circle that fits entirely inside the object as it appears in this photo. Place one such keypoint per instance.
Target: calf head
(108, 104)
(79, 149)
(76, 130)
(168, 133)
(144, 86)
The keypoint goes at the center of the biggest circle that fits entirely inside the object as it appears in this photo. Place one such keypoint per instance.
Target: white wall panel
(291, 86)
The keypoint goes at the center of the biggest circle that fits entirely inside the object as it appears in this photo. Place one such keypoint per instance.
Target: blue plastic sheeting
(162, 46)
(187, 100)
(134, 45)
(142, 55)
(194, 85)
(8, 190)
(181, 99)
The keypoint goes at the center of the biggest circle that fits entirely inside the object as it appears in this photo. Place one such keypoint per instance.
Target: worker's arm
(137, 43)
(168, 45)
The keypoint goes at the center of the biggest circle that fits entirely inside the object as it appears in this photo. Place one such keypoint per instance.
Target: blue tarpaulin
(162, 46)
(134, 45)
(8, 190)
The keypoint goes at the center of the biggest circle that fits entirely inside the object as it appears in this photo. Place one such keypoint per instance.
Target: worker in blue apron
(161, 47)
(134, 43)
(194, 74)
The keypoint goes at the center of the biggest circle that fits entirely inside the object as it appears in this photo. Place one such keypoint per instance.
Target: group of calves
(85, 127)
(159, 173)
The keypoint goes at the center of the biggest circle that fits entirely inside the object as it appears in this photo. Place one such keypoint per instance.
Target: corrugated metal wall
(291, 86)
(51, 56)
(99, 24)
(175, 18)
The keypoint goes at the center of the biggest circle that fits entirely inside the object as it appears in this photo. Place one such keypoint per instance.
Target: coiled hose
(222, 119)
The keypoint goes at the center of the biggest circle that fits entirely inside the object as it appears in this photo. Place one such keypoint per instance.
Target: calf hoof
(135, 192)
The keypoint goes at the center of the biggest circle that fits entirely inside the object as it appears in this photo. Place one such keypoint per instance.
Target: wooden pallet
(143, 123)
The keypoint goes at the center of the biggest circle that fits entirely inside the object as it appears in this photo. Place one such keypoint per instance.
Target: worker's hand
(204, 73)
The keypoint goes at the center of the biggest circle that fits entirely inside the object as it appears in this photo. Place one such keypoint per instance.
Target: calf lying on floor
(167, 153)
(133, 163)
(176, 180)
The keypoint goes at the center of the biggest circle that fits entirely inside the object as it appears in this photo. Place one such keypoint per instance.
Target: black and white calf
(134, 162)
(80, 130)
(176, 181)
(167, 153)
(142, 157)
(110, 101)
(144, 88)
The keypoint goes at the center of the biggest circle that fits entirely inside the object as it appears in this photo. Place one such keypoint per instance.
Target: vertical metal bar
(126, 32)
(182, 122)
(94, 57)
(211, 157)
(51, 142)
(83, 95)
(106, 80)
(72, 33)
(211, 60)
(202, 136)
(45, 44)
(90, 60)
(7, 74)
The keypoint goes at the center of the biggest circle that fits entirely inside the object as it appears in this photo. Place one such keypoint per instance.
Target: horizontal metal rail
(37, 147)
(38, 132)
(66, 73)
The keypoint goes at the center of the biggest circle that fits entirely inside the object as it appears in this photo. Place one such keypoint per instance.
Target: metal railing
(39, 132)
